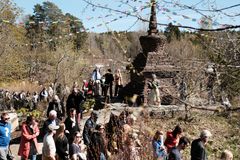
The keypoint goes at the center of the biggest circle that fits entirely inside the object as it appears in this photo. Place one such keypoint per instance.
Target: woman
(29, 148)
(77, 149)
(118, 82)
(61, 143)
(173, 138)
(159, 152)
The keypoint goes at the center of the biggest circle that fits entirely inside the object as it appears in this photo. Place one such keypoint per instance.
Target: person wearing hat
(198, 150)
(49, 147)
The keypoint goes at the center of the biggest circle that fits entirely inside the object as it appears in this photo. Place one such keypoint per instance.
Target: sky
(95, 18)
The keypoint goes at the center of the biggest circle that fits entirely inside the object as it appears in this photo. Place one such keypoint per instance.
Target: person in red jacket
(29, 148)
(172, 138)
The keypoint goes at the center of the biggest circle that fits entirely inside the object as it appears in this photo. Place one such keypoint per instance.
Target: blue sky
(90, 16)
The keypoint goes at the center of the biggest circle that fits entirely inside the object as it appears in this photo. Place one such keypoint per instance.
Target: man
(52, 119)
(175, 153)
(198, 150)
(89, 128)
(74, 100)
(109, 83)
(72, 125)
(5, 135)
(49, 148)
(55, 104)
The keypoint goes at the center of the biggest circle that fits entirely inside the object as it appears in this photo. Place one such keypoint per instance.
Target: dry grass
(225, 132)
(21, 86)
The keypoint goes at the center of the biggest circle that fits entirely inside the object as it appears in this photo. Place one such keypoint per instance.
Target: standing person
(49, 147)
(154, 96)
(52, 119)
(44, 95)
(5, 135)
(71, 124)
(198, 150)
(118, 81)
(183, 90)
(172, 138)
(61, 142)
(77, 149)
(159, 151)
(89, 128)
(175, 153)
(99, 145)
(109, 83)
(74, 100)
(29, 147)
(96, 75)
(55, 105)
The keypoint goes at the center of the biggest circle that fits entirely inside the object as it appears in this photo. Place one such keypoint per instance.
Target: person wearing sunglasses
(5, 135)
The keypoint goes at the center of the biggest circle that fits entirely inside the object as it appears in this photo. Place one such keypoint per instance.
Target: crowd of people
(118, 139)
(62, 135)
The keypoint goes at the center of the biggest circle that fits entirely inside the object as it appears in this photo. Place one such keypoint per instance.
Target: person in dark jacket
(74, 100)
(55, 105)
(175, 153)
(198, 150)
(61, 142)
(71, 124)
(52, 119)
(89, 128)
(109, 83)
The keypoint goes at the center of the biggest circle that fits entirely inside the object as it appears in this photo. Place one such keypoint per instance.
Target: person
(173, 138)
(35, 99)
(49, 147)
(85, 87)
(175, 153)
(198, 150)
(52, 119)
(211, 81)
(159, 151)
(96, 75)
(29, 146)
(56, 106)
(99, 145)
(77, 149)
(5, 135)
(51, 90)
(118, 81)
(74, 100)
(61, 141)
(71, 124)
(89, 128)
(154, 96)
(44, 95)
(226, 155)
(182, 90)
(108, 83)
